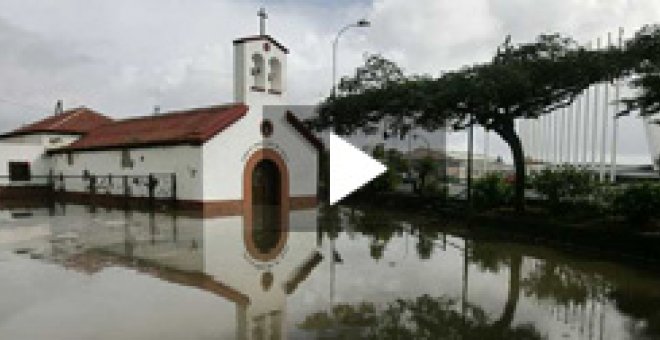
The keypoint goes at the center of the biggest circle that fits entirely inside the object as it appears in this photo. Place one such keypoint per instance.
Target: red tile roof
(75, 121)
(194, 126)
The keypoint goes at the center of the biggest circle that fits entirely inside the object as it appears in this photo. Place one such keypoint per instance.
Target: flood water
(70, 272)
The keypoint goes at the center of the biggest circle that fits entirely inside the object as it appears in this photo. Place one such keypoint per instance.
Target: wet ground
(73, 272)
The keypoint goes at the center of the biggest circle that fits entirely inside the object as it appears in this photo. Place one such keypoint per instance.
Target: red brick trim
(34, 196)
(248, 227)
(303, 202)
(251, 163)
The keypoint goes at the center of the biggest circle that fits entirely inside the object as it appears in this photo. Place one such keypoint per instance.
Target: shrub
(567, 183)
(491, 191)
(390, 180)
(638, 203)
(434, 189)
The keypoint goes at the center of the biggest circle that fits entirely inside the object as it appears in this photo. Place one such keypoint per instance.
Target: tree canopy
(525, 80)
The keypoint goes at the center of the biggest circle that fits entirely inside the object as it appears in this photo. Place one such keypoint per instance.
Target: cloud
(123, 57)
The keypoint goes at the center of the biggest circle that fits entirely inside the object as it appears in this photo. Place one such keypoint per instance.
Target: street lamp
(359, 23)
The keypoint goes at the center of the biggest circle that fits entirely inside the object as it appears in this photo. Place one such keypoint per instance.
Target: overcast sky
(122, 57)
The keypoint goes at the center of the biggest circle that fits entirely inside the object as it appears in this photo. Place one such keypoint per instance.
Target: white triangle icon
(350, 168)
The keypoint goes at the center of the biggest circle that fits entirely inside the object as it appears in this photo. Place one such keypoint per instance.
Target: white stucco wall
(48, 140)
(19, 152)
(226, 154)
(184, 161)
(243, 79)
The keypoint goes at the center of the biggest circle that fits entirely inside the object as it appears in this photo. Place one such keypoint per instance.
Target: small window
(258, 73)
(69, 158)
(126, 161)
(19, 171)
(275, 76)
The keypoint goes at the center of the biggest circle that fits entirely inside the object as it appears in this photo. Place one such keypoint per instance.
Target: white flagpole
(548, 119)
(615, 119)
(594, 131)
(524, 133)
(532, 128)
(544, 136)
(539, 138)
(486, 149)
(569, 134)
(555, 133)
(578, 113)
(606, 118)
(562, 135)
(539, 122)
(585, 138)
(585, 149)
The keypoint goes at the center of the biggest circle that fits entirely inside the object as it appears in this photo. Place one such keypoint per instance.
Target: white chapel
(217, 159)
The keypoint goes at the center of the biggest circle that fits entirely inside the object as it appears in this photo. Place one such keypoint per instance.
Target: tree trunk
(509, 136)
(514, 293)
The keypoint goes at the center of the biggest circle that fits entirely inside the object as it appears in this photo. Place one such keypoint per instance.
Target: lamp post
(359, 23)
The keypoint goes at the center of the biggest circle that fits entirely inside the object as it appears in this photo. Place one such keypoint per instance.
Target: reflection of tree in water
(379, 227)
(330, 220)
(563, 284)
(425, 317)
(578, 291)
(493, 258)
(426, 238)
(644, 309)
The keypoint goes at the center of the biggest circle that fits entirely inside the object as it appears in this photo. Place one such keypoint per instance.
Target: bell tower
(260, 68)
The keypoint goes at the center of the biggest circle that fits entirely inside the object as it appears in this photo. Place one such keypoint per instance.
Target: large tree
(521, 81)
(643, 58)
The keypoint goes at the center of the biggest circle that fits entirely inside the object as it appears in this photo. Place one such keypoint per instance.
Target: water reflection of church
(277, 253)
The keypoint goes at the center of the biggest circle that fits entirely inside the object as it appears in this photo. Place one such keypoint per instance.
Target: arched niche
(258, 72)
(275, 75)
(265, 204)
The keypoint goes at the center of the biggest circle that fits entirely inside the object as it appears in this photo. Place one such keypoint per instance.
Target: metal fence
(152, 187)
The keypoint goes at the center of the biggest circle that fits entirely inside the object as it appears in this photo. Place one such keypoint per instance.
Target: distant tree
(393, 160)
(424, 168)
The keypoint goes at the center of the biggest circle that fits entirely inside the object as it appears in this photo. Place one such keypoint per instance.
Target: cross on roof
(262, 20)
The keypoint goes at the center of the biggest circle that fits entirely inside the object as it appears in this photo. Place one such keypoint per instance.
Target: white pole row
(578, 134)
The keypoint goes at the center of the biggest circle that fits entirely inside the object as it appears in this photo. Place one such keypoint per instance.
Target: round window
(266, 128)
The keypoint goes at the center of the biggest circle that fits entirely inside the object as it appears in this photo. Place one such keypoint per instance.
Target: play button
(350, 168)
